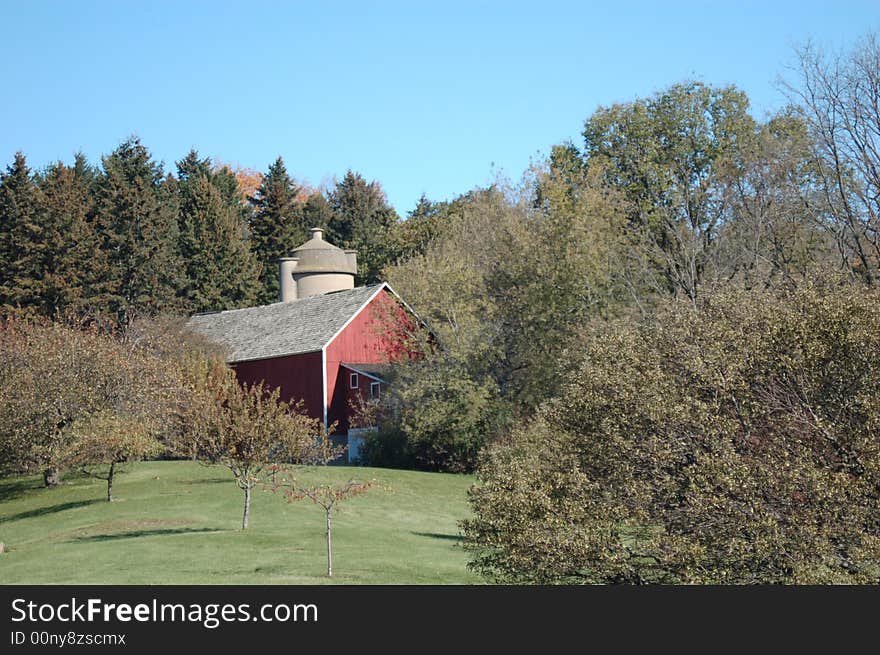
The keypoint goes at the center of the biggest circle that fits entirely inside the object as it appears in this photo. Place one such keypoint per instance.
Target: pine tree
(137, 218)
(362, 220)
(317, 212)
(20, 234)
(276, 226)
(71, 261)
(221, 270)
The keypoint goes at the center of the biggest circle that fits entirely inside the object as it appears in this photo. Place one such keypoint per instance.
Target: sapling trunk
(247, 506)
(329, 548)
(110, 482)
(51, 477)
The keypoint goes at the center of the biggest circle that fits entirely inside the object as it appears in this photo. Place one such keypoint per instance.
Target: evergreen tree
(317, 211)
(362, 220)
(20, 234)
(221, 270)
(276, 226)
(71, 262)
(137, 219)
(423, 224)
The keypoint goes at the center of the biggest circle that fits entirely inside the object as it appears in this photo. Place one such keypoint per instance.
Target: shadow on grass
(10, 489)
(134, 534)
(438, 535)
(52, 509)
(207, 481)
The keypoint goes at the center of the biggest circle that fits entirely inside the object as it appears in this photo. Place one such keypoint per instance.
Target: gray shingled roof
(282, 328)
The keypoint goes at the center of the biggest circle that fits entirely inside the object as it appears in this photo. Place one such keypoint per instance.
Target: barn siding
(297, 376)
(365, 340)
(359, 395)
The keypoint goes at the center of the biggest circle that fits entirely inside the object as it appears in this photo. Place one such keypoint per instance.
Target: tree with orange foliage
(249, 180)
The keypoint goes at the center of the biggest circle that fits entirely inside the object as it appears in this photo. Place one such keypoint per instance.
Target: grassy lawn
(179, 523)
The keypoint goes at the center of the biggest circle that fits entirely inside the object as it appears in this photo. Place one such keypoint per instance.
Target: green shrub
(734, 443)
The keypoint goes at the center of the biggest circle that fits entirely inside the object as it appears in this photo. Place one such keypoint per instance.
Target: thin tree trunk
(110, 483)
(51, 477)
(329, 549)
(247, 506)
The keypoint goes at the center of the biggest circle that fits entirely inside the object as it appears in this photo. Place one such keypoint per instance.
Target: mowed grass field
(180, 523)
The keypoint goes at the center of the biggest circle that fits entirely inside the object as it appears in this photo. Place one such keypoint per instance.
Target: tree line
(128, 239)
(668, 199)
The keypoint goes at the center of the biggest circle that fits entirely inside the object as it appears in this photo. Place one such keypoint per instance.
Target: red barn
(324, 345)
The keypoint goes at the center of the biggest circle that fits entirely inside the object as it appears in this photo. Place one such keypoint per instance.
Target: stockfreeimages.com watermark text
(208, 615)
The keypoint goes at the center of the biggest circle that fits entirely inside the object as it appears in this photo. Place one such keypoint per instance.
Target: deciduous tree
(422, 225)
(105, 441)
(246, 429)
(839, 98)
(671, 155)
(328, 497)
(70, 396)
(735, 442)
(775, 235)
(505, 287)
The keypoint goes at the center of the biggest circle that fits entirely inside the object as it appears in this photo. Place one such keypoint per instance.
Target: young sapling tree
(328, 497)
(247, 429)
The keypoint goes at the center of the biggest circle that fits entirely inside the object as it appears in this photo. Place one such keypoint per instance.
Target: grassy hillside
(179, 523)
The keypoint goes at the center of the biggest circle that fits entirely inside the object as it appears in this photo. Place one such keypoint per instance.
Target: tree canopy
(276, 226)
(222, 272)
(362, 220)
(735, 443)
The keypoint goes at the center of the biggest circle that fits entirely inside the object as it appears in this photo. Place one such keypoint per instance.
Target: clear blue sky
(423, 97)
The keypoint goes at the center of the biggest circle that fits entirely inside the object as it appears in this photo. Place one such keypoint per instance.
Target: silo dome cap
(317, 241)
(319, 256)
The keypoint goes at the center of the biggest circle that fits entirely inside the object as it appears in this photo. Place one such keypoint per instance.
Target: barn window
(353, 381)
(374, 390)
